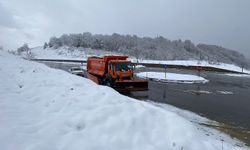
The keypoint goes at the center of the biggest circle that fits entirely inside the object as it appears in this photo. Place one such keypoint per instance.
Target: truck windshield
(124, 66)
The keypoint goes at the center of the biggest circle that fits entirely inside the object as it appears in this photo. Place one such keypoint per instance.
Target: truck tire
(109, 82)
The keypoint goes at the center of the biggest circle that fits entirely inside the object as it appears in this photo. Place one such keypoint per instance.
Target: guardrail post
(165, 66)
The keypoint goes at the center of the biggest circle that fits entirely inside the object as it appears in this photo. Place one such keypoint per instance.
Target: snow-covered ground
(44, 108)
(172, 77)
(68, 53)
(84, 53)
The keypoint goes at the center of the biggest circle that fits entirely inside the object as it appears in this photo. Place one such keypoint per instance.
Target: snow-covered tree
(55, 42)
(151, 48)
(24, 48)
(66, 40)
(97, 44)
(45, 45)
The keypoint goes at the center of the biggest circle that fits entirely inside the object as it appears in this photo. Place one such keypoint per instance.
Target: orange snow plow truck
(116, 72)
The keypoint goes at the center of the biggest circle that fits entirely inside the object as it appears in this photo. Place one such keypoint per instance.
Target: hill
(158, 48)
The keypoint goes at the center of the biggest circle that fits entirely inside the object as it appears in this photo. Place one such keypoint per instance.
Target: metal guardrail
(204, 68)
(60, 60)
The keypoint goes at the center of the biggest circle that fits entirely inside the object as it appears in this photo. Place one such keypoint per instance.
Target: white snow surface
(238, 75)
(172, 77)
(68, 53)
(47, 109)
(225, 92)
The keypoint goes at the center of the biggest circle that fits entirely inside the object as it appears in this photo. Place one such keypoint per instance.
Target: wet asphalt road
(224, 98)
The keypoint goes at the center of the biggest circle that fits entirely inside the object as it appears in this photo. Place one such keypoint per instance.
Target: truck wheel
(100, 81)
(109, 82)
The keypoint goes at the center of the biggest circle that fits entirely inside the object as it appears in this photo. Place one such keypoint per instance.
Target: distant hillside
(158, 48)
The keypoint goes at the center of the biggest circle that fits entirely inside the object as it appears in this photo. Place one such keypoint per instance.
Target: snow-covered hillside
(47, 109)
(158, 48)
(68, 53)
(84, 53)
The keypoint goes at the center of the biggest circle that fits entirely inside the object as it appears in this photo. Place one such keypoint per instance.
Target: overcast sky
(220, 22)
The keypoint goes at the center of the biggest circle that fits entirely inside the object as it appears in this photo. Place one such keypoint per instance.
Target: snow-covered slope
(47, 109)
(68, 53)
(84, 53)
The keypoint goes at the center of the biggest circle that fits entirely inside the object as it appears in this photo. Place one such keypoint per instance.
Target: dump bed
(99, 65)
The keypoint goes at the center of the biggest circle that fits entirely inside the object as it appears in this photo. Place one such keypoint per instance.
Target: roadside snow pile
(47, 109)
(68, 53)
(139, 66)
(229, 67)
(225, 92)
(172, 77)
(238, 75)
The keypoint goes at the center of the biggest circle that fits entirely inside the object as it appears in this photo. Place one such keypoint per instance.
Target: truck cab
(121, 70)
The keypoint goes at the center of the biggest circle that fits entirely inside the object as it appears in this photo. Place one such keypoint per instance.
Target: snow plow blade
(131, 85)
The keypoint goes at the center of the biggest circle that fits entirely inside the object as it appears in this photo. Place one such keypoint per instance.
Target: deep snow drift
(172, 77)
(48, 109)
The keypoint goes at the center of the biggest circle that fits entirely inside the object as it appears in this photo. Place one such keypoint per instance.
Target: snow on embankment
(229, 67)
(47, 109)
(172, 77)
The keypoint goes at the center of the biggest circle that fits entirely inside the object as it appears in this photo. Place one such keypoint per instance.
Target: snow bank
(238, 75)
(225, 92)
(47, 109)
(172, 77)
(139, 66)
